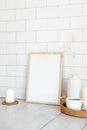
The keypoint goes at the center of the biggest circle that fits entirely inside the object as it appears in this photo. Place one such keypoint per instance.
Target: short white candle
(10, 96)
(84, 94)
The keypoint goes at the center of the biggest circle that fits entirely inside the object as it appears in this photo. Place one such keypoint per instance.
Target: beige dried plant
(67, 47)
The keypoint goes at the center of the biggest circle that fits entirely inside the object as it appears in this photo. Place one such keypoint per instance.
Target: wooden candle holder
(9, 104)
(77, 113)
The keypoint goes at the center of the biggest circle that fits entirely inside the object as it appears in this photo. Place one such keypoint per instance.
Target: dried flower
(67, 47)
(73, 38)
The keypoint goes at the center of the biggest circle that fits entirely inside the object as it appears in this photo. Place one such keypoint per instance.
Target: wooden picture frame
(44, 71)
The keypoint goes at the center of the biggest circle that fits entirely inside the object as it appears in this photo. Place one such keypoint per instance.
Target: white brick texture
(84, 35)
(16, 26)
(77, 1)
(70, 10)
(35, 3)
(41, 26)
(58, 23)
(26, 37)
(2, 26)
(79, 22)
(7, 37)
(36, 47)
(55, 47)
(66, 35)
(2, 4)
(22, 59)
(7, 15)
(79, 48)
(25, 13)
(57, 2)
(15, 48)
(14, 4)
(85, 60)
(85, 9)
(47, 12)
(70, 61)
(45, 36)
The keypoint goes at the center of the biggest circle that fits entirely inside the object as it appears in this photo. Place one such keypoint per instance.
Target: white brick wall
(26, 36)
(6, 37)
(35, 3)
(14, 4)
(57, 2)
(2, 4)
(36, 47)
(2, 26)
(79, 22)
(84, 35)
(78, 1)
(84, 9)
(66, 35)
(16, 26)
(70, 10)
(25, 13)
(58, 23)
(45, 36)
(40, 25)
(47, 12)
(6, 15)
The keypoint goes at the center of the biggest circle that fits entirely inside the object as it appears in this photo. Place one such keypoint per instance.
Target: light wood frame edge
(60, 79)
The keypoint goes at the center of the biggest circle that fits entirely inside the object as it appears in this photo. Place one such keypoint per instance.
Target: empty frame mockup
(44, 78)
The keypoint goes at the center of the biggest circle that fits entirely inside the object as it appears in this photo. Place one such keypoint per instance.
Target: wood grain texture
(26, 116)
(63, 122)
(71, 112)
(12, 103)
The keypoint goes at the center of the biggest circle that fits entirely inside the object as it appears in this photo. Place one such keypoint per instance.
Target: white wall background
(40, 25)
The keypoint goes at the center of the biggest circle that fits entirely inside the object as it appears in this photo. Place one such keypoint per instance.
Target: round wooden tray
(13, 103)
(71, 112)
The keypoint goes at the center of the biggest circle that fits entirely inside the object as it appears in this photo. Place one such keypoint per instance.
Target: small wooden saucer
(13, 103)
(77, 113)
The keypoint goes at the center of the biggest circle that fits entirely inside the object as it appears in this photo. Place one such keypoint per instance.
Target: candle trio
(76, 95)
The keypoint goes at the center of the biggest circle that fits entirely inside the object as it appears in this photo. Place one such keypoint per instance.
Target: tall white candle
(10, 96)
(74, 87)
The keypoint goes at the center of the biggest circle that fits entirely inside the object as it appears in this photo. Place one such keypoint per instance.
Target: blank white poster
(44, 78)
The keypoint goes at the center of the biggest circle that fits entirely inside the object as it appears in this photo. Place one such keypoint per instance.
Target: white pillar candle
(10, 96)
(74, 87)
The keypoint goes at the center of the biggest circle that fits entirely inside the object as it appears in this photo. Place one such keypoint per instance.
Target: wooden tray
(71, 112)
(13, 103)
